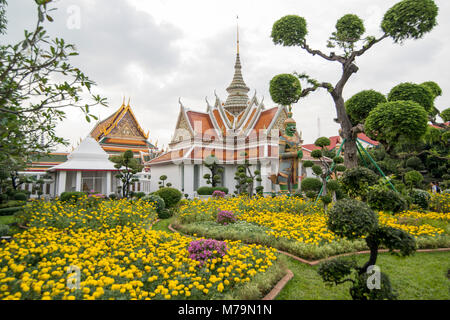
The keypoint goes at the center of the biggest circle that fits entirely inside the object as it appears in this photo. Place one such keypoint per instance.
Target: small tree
(213, 178)
(162, 181)
(128, 166)
(328, 166)
(245, 179)
(408, 19)
(353, 219)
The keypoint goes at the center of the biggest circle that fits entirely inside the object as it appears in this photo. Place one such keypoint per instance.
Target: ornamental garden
(346, 223)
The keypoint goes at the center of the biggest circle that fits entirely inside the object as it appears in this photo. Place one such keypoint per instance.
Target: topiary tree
(212, 163)
(413, 178)
(408, 19)
(383, 199)
(353, 219)
(162, 181)
(360, 104)
(285, 89)
(327, 168)
(245, 179)
(128, 166)
(356, 181)
(413, 92)
(311, 187)
(396, 122)
(171, 196)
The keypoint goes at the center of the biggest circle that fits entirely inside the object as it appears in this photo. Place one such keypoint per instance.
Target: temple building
(114, 135)
(237, 129)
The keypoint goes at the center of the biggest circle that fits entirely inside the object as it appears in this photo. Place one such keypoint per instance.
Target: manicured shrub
(386, 200)
(164, 214)
(157, 201)
(413, 178)
(4, 230)
(139, 195)
(333, 185)
(171, 196)
(355, 181)
(420, 198)
(20, 196)
(205, 191)
(3, 197)
(223, 189)
(9, 211)
(311, 184)
(351, 219)
(73, 196)
(112, 196)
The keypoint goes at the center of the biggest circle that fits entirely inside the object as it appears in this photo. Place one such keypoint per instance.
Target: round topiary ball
(349, 28)
(311, 184)
(289, 31)
(410, 19)
(351, 219)
(171, 196)
(413, 92)
(322, 142)
(386, 200)
(157, 201)
(285, 89)
(360, 104)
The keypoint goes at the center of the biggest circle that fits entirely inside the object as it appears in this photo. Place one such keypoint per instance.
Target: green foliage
(410, 19)
(289, 31)
(340, 168)
(165, 214)
(158, 202)
(322, 142)
(395, 239)
(317, 170)
(72, 196)
(38, 84)
(326, 199)
(9, 211)
(397, 121)
(386, 200)
(413, 178)
(316, 153)
(128, 166)
(285, 89)
(212, 163)
(349, 28)
(351, 219)
(445, 114)
(360, 104)
(414, 163)
(333, 185)
(433, 87)
(338, 159)
(334, 271)
(4, 230)
(20, 196)
(171, 196)
(245, 179)
(360, 290)
(311, 184)
(413, 92)
(355, 181)
(139, 195)
(308, 163)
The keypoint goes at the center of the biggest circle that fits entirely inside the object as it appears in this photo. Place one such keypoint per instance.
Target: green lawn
(422, 276)
(162, 225)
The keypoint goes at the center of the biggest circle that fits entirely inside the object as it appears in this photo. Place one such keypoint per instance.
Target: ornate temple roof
(237, 99)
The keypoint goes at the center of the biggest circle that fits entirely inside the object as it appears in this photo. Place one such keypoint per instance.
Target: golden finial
(123, 101)
(128, 101)
(237, 33)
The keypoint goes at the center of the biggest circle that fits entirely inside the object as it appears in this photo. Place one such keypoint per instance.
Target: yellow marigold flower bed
(121, 263)
(90, 213)
(296, 219)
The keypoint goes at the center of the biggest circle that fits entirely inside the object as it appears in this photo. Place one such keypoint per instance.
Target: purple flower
(225, 217)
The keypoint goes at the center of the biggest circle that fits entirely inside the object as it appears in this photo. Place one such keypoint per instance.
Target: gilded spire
(237, 90)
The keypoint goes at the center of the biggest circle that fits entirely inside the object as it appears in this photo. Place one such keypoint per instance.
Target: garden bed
(299, 227)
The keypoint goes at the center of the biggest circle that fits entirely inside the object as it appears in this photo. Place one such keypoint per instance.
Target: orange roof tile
(206, 125)
(265, 118)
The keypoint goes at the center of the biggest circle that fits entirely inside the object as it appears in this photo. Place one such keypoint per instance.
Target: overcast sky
(156, 51)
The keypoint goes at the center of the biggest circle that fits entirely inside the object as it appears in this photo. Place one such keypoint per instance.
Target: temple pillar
(108, 183)
(189, 179)
(78, 181)
(61, 182)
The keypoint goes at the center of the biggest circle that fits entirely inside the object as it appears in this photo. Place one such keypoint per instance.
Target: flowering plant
(205, 249)
(218, 194)
(225, 217)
